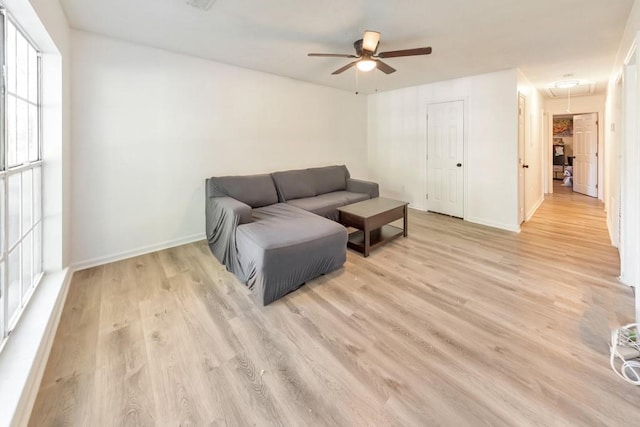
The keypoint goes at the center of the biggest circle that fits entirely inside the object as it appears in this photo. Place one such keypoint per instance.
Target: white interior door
(445, 156)
(585, 151)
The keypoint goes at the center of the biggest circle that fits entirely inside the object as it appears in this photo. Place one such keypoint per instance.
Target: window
(20, 174)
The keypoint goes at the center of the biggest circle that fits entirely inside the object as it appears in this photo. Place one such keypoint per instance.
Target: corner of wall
(502, 226)
(534, 208)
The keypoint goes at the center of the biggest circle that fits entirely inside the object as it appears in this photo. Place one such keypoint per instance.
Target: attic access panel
(580, 90)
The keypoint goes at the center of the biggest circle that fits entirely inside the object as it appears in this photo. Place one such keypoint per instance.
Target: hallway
(572, 228)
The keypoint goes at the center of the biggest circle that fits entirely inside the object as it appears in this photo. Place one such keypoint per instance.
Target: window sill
(25, 354)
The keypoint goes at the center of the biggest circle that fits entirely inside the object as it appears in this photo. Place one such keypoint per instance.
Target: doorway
(575, 152)
(445, 156)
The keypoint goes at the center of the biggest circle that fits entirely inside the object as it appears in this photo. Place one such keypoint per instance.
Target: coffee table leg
(406, 222)
(367, 239)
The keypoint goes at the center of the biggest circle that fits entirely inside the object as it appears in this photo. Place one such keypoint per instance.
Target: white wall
(149, 126)
(630, 177)
(622, 141)
(534, 146)
(397, 144)
(579, 105)
(612, 173)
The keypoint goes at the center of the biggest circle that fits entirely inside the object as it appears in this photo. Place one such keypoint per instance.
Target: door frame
(522, 142)
(613, 164)
(548, 179)
(629, 200)
(465, 154)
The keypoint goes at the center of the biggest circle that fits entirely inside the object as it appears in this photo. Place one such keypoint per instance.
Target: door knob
(459, 165)
(525, 166)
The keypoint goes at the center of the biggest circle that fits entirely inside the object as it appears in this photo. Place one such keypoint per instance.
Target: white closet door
(445, 154)
(585, 163)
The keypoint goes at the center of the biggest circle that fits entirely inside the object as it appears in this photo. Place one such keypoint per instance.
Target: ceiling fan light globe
(366, 65)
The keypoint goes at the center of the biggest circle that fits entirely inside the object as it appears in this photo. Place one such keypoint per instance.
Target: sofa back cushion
(330, 178)
(254, 190)
(294, 184)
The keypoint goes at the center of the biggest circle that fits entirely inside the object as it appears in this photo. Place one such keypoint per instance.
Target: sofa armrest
(360, 186)
(235, 207)
(223, 215)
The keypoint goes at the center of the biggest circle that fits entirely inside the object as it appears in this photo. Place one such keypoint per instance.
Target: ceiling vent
(201, 4)
(579, 90)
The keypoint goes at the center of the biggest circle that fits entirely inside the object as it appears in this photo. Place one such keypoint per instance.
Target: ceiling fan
(366, 58)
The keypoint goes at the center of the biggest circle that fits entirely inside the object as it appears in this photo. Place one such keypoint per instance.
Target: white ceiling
(546, 39)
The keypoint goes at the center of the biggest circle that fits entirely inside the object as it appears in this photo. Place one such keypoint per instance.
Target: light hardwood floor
(458, 324)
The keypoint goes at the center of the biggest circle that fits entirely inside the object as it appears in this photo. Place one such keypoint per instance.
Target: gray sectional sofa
(277, 231)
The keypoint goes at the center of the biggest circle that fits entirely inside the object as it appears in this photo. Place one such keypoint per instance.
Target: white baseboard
(535, 207)
(610, 230)
(81, 265)
(612, 238)
(479, 221)
(418, 207)
(507, 227)
(25, 356)
(628, 281)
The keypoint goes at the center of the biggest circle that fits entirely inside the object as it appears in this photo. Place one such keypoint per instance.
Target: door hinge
(596, 154)
(427, 196)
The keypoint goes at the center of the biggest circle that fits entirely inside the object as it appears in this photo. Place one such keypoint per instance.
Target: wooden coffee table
(372, 218)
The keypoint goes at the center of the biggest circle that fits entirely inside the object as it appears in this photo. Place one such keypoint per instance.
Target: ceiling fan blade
(332, 55)
(405, 52)
(370, 40)
(345, 68)
(385, 68)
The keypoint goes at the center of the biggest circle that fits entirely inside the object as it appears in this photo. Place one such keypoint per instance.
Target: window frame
(34, 231)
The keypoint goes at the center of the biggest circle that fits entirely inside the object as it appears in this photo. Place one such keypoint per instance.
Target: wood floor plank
(176, 381)
(211, 333)
(123, 378)
(68, 402)
(78, 329)
(457, 324)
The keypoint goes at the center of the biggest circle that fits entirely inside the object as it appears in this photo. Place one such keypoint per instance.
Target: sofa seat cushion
(326, 204)
(284, 247)
(285, 225)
